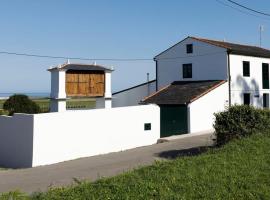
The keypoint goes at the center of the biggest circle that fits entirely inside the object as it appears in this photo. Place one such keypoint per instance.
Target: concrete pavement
(92, 168)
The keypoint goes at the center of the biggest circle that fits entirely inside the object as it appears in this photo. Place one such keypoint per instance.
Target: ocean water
(32, 95)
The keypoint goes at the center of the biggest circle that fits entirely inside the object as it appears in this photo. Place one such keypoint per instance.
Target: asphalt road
(92, 168)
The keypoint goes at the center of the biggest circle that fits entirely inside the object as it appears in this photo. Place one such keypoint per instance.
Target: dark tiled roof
(182, 92)
(238, 48)
(79, 66)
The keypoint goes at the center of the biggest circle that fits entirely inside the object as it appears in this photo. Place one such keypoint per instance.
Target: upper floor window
(246, 68)
(187, 70)
(189, 48)
(265, 75)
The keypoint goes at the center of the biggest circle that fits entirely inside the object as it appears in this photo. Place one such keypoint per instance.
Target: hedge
(240, 121)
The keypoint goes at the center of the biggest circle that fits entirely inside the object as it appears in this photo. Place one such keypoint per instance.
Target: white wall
(41, 139)
(131, 97)
(74, 134)
(252, 84)
(201, 111)
(16, 141)
(208, 63)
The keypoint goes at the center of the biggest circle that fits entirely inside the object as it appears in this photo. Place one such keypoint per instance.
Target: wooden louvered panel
(85, 83)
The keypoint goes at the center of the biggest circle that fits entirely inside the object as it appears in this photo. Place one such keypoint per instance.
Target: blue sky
(112, 29)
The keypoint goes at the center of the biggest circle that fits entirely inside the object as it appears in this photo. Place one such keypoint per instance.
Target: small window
(187, 70)
(246, 68)
(189, 48)
(265, 100)
(147, 126)
(246, 99)
(265, 75)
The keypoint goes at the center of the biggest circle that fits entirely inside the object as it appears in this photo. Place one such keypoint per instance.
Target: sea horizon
(5, 95)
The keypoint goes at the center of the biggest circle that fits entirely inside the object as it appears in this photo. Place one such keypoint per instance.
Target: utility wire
(250, 9)
(237, 9)
(74, 58)
(104, 59)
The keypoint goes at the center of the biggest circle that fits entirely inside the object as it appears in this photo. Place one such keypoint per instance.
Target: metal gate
(173, 120)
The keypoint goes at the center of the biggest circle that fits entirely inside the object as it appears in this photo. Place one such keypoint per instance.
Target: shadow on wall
(16, 141)
(251, 86)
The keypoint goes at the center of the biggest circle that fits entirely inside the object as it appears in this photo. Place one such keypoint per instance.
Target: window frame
(189, 48)
(265, 79)
(246, 68)
(265, 100)
(147, 126)
(244, 98)
(187, 70)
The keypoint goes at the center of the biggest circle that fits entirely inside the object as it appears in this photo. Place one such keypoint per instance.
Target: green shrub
(240, 121)
(20, 104)
(3, 112)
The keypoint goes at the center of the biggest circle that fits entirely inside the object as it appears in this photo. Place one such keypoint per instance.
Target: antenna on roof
(261, 30)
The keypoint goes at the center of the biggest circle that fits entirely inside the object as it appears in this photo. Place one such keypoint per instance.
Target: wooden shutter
(85, 83)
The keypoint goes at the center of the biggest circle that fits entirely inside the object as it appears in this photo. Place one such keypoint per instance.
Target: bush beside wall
(240, 121)
(19, 103)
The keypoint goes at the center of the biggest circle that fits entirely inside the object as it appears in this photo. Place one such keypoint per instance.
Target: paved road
(92, 168)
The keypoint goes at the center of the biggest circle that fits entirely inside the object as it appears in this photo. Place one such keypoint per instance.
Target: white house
(197, 77)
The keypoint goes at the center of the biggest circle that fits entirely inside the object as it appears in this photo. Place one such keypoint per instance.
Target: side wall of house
(208, 63)
(201, 111)
(74, 134)
(133, 96)
(16, 141)
(252, 84)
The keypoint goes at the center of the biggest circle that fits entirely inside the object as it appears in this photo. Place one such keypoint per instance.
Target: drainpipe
(148, 85)
(156, 74)
(229, 77)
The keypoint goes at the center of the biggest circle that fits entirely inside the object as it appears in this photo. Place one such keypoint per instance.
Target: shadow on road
(172, 154)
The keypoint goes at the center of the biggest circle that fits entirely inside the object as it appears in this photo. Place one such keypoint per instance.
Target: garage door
(173, 120)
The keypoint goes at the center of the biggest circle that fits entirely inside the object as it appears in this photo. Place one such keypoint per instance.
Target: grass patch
(238, 170)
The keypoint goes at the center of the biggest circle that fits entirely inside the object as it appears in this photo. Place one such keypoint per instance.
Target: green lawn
(80, 103)
(239, 170)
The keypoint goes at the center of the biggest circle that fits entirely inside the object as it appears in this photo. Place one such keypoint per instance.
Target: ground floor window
(265, 100)
(246, 98)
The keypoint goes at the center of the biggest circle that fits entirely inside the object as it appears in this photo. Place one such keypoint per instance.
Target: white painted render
(41, 139)
(252, 84)
(58, 91)
(58, 105)
(16, 141)
(108, 90)
(108, 86)
(58, 84)
(131, 97)
(201, 111)
(209, 62)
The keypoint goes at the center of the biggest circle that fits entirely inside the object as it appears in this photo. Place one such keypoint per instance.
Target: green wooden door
(173, 120)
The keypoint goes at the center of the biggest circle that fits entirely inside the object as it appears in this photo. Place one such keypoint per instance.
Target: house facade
(247, 67)
(197, 77)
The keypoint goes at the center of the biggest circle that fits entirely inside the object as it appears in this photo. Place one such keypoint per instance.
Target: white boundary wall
(55, 137)
(16, 140)
(133, 96)
(201, 111)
